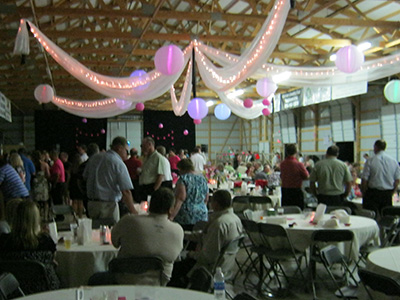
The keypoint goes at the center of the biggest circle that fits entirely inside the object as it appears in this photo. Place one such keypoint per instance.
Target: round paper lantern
(139, 106)
(197, 108)
(140, 79)
(222, 111)
(266, 102)
(266, 87)
(197, 121)
(185, 132)
(266, 112)
(160, 125)
(103, 131)
(84, 120)
(44, 93)
(248, 103)
(169, 60)
(349, 59)
(123, 104)
(392, 91)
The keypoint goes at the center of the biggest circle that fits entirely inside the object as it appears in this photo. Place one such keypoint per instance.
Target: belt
(98, 200)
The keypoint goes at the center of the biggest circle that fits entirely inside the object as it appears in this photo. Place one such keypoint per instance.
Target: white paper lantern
(44, 93)
(266, 87)
(222, 111)
(392, 91)
(349, 59)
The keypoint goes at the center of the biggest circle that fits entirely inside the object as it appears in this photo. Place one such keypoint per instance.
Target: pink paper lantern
(140, 79)
(185, 132)
(139, 106)
(169, 60)
(266, 112)
(103, 131)
(44, 93)
(266, 102)
(160, 125)
(349, 59)
(248, 103)
(84, 120)
(266, 87)
(197, 108)
(197, 121)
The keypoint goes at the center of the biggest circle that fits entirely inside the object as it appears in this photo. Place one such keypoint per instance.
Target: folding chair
(9, 286)
(291, 209)
(260, 202)
(240, 203)
(365, 213)
(378, 282)
(321, 237)
(395, 212)
(329, 209)
(248, 214)
(200, 280)
(62, 215)
(278, 247)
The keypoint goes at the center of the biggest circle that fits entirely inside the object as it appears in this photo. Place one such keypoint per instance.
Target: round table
(77, 264)
(132, 292)
(385, 261)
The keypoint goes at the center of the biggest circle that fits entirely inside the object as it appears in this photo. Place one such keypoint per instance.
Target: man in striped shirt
(11, 184)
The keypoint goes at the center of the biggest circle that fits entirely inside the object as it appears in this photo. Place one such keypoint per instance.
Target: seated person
(26, 241)
(10, 214)
(151, 235)
(223, 226)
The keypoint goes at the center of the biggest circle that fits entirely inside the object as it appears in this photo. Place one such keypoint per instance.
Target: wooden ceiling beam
(352, 22)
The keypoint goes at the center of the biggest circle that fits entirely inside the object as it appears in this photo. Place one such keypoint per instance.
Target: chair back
(9, 286)
(291, 209)
(391, 211)
(379, 282)
(253, 232)
(31, 275)
(389, 229)
(138, 270)
(240, 203)
(274, 236)
(200, 280)
(331, 255)
(228, 252)
(63, 215)
(330, 236)
(365, 213)
(248, 214)
(260, 202)
(332, 208)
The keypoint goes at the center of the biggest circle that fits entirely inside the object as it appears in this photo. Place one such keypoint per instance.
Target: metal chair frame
(9, 285)
(378, 282)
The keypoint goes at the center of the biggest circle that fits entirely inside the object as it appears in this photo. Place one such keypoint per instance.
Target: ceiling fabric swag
(180, 107)
(236, 106)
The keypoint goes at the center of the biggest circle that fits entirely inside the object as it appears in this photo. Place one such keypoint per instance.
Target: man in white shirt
(380, 179)
(198, 160)
(167, 182)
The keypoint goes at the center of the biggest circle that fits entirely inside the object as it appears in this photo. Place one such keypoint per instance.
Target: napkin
(319, 212)
(53, 231)
(276, 220)
(331, 223)
(342, 215)
(84, 231)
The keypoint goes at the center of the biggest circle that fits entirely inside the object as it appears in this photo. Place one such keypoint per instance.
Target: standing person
(167, 181)
(40, 184)
(29, 167)
(191, 195)
(152, 174)
(293, 173)
(11, 184)
(198, 160)
(75, 193)
(57, 178)
(82, 149)
(173, 160)
(17, 163)
(332, 175)
(380, 179)
(108, 183)
(134, 165)
(276, 160)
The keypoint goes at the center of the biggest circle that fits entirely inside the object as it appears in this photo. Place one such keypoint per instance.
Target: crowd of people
(106, 184)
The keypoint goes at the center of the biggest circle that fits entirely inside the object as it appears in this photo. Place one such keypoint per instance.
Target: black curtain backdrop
(63, 131)
(171, 135)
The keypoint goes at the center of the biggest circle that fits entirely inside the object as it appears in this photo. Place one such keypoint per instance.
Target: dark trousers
(57, 193)
(179, 276)
(167, 184)
(377, 199)
(146, 190)
(292, 196)
(329, 200)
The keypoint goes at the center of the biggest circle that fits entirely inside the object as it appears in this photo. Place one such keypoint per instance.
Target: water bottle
(219, 284)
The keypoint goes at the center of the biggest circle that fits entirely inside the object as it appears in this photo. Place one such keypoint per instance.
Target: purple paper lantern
(44, 93)
(266, 102)
(349, 59)
(123, 104)
(139, 106)
(185, 132)
(197, 108)
(248, 103)
(140, 79)
(266, 87)
(169, 60)
(84, 120)
(222, 111)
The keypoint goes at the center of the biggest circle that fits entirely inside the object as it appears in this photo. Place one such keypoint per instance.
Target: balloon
(266, 102)
(139, 106)
(248, 103)
(160, 125)
(44, 93)
(266, 87)
(140, 79)
(197, 108)
(103, 131)
(349, 59)
(197, 121)
(185, 132)
(123, 104)
(169, 60)
(392, 91)
(222, 111)
(266, 112)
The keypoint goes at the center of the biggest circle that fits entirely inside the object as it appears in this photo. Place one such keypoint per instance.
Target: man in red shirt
(293, 173)
(134, 165)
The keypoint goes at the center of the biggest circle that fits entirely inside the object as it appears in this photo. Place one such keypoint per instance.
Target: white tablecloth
(129, 292)
(385, 261)
(77, 264)
(364, 229)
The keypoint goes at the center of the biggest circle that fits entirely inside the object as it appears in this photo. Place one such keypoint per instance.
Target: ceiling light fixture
(281, 77)
(364, 46)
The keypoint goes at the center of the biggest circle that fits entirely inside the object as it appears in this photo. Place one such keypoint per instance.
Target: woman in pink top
(173, 160)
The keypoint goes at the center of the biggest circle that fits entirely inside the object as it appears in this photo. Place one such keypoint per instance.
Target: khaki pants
(103, 210)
